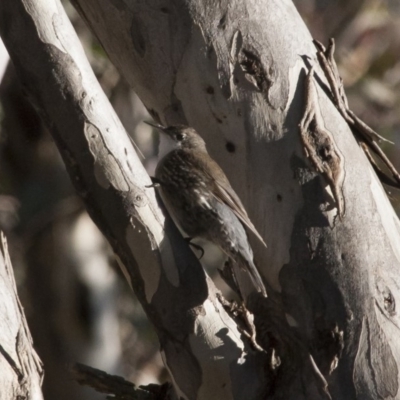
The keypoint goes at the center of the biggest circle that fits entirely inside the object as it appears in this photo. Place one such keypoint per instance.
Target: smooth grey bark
(21, 372)
(202, 347)
(235, 72)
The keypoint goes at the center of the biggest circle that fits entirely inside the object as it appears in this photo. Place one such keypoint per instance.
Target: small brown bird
(200, 199)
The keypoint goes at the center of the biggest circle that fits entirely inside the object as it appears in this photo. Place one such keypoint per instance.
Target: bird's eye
(180, 137)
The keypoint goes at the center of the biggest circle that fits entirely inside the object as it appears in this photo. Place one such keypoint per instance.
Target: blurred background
(78, 305)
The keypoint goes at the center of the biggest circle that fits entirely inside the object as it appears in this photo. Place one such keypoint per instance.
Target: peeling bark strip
(21, 371)
(319, 145)
(365, 135)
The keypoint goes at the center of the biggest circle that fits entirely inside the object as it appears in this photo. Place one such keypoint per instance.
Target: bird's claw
(196, 246)
(246, 317)
(156, 183)
(250, 332)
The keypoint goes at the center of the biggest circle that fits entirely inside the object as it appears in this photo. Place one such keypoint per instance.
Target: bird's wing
(223, 192)
(226, 195)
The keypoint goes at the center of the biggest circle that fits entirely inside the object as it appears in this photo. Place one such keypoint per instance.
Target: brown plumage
(200, 198)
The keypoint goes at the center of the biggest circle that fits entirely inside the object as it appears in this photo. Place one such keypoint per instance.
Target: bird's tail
(257, 280)
(252, 270)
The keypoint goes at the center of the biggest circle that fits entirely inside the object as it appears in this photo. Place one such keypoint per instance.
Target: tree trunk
(201, 344)
(235, 72)
(21, 370)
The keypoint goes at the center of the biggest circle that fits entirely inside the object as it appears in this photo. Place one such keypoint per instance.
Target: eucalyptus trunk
(236, 72)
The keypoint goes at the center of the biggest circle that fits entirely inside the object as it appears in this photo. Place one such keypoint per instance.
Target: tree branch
(116, 386)
(21, 369)
(179, 299)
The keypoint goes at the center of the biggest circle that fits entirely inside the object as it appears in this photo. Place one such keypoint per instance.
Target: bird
(200, 199)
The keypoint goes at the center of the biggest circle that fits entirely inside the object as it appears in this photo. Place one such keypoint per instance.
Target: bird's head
(176, 137)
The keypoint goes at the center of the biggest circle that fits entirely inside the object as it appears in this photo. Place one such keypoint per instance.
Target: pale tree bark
(21, 372)
(235, 72)
(200, 343)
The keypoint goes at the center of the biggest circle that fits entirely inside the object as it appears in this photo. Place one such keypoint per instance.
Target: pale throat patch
(167, 144)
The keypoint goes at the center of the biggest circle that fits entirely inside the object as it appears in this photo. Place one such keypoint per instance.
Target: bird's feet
(156, 183)
(246, 326)
(250, 332)
(196, 246)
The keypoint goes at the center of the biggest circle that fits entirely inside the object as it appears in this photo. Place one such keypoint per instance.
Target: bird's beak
(157, 126)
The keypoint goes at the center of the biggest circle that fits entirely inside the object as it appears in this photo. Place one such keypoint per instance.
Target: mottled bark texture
(202, 347)
(21, 370)
(235, 71)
